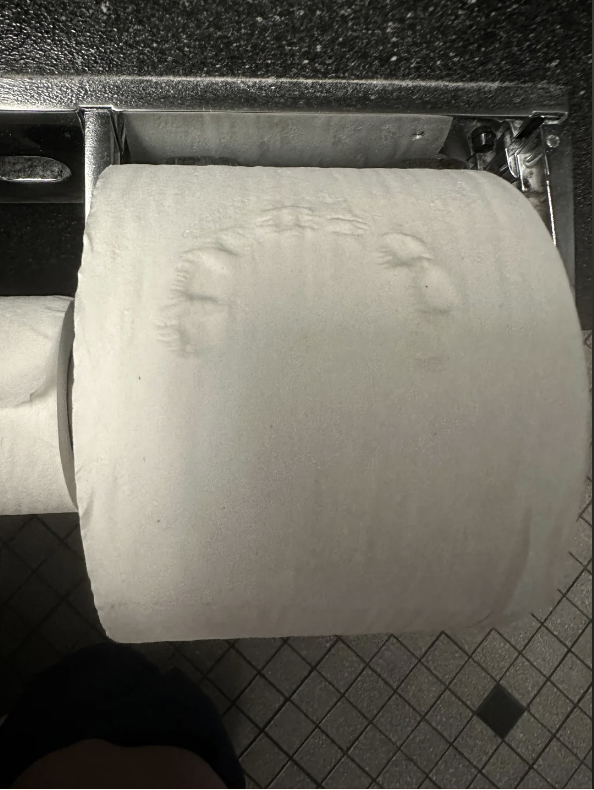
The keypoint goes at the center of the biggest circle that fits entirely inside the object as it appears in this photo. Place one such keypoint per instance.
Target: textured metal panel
(285, 139)
(211, 93)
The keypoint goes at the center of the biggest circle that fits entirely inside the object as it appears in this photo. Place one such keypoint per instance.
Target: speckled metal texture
(457, 40)
(269, 94)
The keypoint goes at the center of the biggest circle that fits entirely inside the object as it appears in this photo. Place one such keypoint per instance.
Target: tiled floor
(511, 708)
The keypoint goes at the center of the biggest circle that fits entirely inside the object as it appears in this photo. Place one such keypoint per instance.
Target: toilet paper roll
(313, 401)
(36, 463)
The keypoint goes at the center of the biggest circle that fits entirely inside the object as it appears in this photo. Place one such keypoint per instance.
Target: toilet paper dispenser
(57, 134)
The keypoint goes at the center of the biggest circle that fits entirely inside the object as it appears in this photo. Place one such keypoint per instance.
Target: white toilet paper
(317, 401)
(36, 464)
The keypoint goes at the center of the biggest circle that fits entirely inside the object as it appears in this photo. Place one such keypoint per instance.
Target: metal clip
(104, 145)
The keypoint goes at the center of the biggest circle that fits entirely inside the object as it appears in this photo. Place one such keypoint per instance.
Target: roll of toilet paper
(36, 463)
(313, 401)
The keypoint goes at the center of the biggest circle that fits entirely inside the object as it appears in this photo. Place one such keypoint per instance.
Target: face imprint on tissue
(432, 286)
(195, 317)
(432, 292)
(297, 219)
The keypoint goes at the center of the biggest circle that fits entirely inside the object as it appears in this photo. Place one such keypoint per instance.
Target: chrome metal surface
(31, 92)
(534, 154)
(359, 123)
(559, 180)
(285, 139)
(102, 147)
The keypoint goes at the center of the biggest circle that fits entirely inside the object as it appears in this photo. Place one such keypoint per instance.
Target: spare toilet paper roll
(313, 401)
(36, 464)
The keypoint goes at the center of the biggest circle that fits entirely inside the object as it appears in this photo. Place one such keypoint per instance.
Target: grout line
(35, 629)
(55, 534)
(6, 547)
(313, 668)
(261, 729)
(392, 695)
(28, 519)
(34, 571)
(448, 687)
(317, 725)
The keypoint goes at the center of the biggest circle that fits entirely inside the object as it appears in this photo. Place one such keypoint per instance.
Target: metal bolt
(483, 139)
(552, 140)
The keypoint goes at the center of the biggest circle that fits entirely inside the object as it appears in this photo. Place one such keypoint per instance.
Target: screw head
(483, 139)
(552, 140)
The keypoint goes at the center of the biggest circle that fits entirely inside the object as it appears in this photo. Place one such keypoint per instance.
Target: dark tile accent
(500, 711)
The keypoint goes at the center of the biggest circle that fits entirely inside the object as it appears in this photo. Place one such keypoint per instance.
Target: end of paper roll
(332, 404)
(65, 378)
(36, 459)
